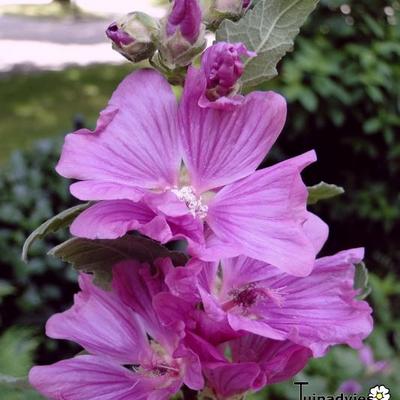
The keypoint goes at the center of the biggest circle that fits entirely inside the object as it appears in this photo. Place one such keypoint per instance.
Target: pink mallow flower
(189, 172)
(245, 295)
(130, 353)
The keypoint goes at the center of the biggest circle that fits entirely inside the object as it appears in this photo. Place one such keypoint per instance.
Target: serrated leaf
(99, 256)
(59, 221)
(361, 281)
(323, 191)
(268, 29)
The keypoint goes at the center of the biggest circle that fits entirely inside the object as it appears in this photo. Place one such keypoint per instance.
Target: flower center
(193, 203)
(250, 295)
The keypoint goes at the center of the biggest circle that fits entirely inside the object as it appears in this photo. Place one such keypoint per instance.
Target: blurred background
(342, 84)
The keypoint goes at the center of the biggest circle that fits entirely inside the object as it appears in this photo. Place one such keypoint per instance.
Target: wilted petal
(232, 379)
(278, 360)
(136, 142)
(264, 214)
(221, 147)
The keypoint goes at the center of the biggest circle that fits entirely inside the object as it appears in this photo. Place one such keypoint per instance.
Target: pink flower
(317, 311)
(131, 355)
(216, 200)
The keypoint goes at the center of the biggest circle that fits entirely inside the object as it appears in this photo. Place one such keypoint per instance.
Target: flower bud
(183, 34)
(185, 16)
(218, 10)
(134, 36)
(222, 66)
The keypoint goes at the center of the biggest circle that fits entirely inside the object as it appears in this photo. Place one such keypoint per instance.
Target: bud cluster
(172, 43)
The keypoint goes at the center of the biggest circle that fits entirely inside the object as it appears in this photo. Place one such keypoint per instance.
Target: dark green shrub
(31, 192)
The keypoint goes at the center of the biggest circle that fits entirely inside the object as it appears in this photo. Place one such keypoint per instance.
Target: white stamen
(193, 203)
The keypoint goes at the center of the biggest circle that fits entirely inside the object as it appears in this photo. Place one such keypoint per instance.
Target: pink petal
(231, 379)
(136, 141)
(222, 146)
(99, 190)
(88, 378)
(136, 287)
(316, 230)
(264, 214)
(102, 324)
(111, 219)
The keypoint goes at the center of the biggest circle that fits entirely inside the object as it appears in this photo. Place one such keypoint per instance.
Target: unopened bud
(222, 66)
(183, 34)
(134, 36)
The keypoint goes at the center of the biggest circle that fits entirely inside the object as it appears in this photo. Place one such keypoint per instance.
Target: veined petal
(101, 324)
(136, 141)
(231, 379)
(111, 219)
(223, 146)
(264, 214)
(99, 190)
(88, 378)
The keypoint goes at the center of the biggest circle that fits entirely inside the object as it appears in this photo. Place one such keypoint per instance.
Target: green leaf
(268, 29)
(361, 281)
(323, 191)
(59, 221)
(18, 346)
(99, 256)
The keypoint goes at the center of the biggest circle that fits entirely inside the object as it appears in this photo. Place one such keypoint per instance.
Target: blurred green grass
(44, 104)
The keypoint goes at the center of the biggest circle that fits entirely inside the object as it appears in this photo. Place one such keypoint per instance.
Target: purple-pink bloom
(221, 68)
(350, 386)
(216, 199)
(185, 17)
(317, 311)
(131, 354)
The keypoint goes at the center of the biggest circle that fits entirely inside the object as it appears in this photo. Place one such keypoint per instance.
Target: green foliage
(18, 347)
(17, 350)
(99, 256)
(43, 104)
(31, 192)
(268, 29)
(361, 281)
(323, 191)
(54, 224)
(342, 84)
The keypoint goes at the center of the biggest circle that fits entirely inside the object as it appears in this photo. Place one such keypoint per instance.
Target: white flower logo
(379, 393)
